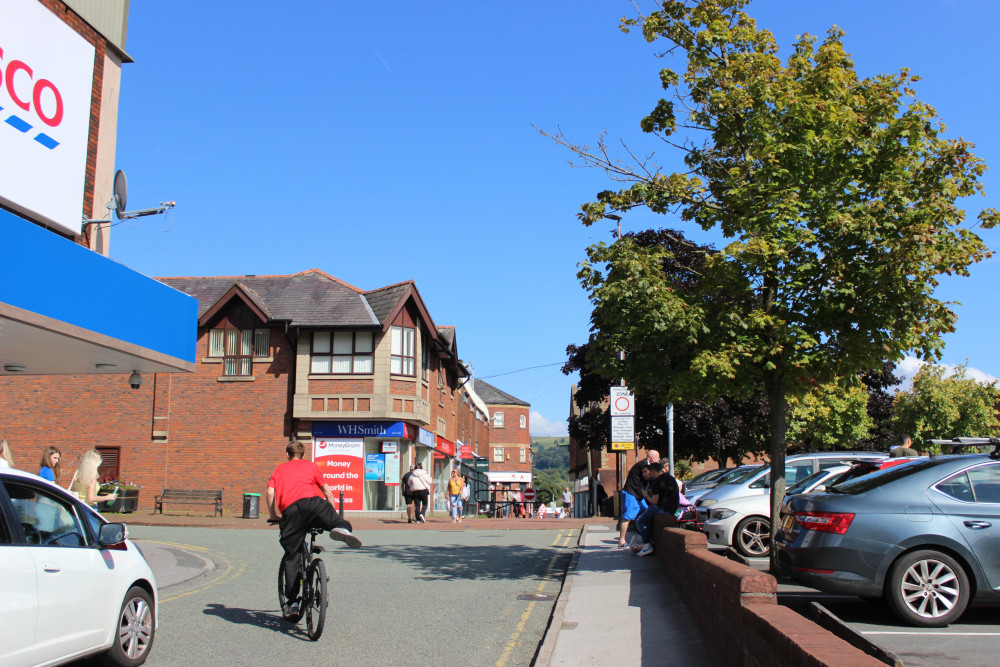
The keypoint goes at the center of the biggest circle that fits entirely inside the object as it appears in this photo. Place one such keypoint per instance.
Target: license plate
(787, 523)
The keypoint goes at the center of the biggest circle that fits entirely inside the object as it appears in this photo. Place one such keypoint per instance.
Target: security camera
(135, 380)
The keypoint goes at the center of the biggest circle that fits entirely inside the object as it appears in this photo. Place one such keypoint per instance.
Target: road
(405, 598)
(970, 642)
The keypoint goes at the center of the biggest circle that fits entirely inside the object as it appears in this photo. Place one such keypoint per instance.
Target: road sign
(622, 429)
(529, 495)
(622, 402)
(622, 446)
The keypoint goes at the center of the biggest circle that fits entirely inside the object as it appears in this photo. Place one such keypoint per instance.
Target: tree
(945, 406)
(839, 198)
(834, 415)
(880, 408)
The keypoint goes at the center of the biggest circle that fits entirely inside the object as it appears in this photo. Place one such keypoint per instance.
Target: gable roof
(493, 396)
(310, 298)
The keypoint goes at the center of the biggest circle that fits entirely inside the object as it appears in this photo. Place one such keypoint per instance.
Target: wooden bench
(189, 497)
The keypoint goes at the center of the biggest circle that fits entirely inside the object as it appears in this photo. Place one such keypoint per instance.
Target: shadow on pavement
(265, 619)
(487, 563)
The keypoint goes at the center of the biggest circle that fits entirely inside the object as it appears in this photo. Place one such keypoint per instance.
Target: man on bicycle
(298, 496)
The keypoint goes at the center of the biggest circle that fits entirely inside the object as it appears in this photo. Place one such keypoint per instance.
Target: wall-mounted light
(14, 368)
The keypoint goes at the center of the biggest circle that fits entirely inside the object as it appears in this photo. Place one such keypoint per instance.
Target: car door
(73, 579)
(18, 597)
(971, 500)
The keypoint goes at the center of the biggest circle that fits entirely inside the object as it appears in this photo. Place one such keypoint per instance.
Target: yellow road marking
(526, 614)
(228, 573)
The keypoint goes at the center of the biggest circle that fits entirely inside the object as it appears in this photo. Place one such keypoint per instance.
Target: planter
(127, 501)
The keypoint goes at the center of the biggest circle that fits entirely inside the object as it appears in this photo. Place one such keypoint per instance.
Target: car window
(798, 471)
(5, 532)
(47, 519)
(884, 476)
(985, 482)
(958, 487)
(738, 475)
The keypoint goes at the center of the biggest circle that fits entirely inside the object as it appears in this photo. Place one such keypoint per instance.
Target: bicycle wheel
(315, 599)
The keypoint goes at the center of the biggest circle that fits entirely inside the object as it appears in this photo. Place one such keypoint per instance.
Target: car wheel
(752, 537)
(928, 588)
(135, 631)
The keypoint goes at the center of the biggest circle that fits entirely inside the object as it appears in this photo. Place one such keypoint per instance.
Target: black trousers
(296, 521)
(420, 502)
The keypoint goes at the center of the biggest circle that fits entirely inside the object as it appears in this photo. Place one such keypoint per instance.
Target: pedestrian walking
(420, 488)
(407, 496)
(567, 500)
(49, 466)
(455, 486)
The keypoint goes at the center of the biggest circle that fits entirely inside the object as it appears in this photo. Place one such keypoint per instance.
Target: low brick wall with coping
(736, 608)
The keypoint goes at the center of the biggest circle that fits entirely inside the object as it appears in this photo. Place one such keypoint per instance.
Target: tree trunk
(776, 419)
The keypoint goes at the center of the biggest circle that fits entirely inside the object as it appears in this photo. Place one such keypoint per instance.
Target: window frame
(498, 420)
(355, 356)
(498, 454)
(248, 345)
(405, 353)
(523, 421)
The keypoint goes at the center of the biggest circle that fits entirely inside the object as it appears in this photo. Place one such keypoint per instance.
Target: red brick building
(509, 452)
(364, 378)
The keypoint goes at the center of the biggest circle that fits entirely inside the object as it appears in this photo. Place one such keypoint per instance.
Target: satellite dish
(121, 193)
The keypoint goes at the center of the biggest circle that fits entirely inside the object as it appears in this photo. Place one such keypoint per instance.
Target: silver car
(924, 535)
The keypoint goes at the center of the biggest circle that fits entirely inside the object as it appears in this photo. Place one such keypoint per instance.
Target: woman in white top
(85, 480)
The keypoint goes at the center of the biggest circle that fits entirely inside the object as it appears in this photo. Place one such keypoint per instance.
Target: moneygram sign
(46, 76)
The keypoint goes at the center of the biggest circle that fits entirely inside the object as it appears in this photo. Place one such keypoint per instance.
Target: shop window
(238, 348)
(401, 361)
(498, 419)
(524, 421)
(497, 454)
(347, 352)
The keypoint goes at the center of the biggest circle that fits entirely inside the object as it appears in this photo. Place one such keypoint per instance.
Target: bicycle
(314, 596)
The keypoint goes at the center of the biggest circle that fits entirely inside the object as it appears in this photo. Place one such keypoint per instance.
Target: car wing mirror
(111, 534)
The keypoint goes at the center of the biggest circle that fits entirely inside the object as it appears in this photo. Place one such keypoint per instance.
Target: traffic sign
(622, 446)
(622, 402)
(529, 494)
(622, 429)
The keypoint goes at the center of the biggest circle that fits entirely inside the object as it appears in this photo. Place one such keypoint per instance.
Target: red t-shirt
(295, 480)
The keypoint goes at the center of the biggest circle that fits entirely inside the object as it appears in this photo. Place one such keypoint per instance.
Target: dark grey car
(924, 535)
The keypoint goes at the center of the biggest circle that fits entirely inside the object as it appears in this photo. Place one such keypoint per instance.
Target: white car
(71, 584)
(744, 523)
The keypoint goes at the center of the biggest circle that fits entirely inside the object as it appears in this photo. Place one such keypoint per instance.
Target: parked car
(706, 479)
(744, 523)
(71, 584)
(732, 475)
(925, 536)
(797, 467)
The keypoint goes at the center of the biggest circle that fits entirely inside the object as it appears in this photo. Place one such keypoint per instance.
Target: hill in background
(550, 465)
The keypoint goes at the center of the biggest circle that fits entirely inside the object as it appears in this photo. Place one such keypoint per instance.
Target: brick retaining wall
(736, 608)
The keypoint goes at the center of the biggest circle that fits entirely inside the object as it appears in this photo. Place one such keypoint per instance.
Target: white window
(498, 419)
(401, 361)
(238, 348)
(524, 421)
(497, 454)
(343, 352)
(524, 456)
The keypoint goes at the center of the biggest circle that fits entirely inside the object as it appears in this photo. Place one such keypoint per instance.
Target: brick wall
(720, 593)
(227, 435)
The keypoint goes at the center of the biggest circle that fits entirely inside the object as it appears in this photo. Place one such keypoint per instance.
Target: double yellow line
(562, 540)
(230, 571)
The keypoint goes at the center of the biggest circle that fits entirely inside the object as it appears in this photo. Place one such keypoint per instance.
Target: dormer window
(238, 347)
(402, 360)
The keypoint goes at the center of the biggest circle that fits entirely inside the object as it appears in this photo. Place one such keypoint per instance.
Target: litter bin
(251, 505)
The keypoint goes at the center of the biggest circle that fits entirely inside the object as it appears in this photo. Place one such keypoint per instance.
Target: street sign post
(622, 402)
(622, 419)
(529, 494)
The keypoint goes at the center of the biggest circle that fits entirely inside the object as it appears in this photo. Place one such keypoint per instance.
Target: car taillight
(825, 522)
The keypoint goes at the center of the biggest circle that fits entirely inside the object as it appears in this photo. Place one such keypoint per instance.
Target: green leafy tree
(834, 415)
(838, 196)
(944, 406)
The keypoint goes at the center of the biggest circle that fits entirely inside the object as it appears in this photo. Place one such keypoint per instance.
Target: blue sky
(387, 141)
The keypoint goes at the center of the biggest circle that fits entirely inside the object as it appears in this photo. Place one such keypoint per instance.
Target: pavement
(614, 608)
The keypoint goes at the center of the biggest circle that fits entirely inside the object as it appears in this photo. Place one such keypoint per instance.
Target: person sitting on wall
(663, 497)
(632, 500)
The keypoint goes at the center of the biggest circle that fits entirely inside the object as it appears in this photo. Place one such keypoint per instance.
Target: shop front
(443, 458)
(365, 461)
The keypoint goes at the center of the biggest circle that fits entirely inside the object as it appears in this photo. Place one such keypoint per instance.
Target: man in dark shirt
(632, 500)
(663, 496)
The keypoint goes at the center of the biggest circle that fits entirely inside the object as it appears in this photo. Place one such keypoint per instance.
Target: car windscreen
(738, 475)
(876, 479)
(708, 476)
(803, 484)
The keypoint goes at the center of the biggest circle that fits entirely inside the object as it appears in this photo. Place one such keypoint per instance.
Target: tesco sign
(46, 78)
